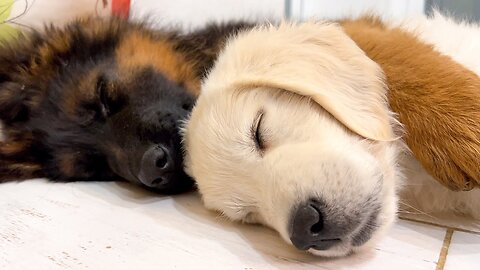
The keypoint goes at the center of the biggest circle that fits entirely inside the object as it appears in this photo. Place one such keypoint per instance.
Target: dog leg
(436, 99)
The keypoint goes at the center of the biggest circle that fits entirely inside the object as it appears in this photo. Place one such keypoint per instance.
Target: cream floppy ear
(317, 60)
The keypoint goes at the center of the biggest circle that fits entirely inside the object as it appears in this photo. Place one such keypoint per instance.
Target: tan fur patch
(10, 170)
(15, 143)
(73, 101)
(12, 147)
(436, 99)
(66, 163)
(137, 50)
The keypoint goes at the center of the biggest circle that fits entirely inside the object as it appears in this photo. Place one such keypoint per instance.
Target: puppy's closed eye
(256, 131)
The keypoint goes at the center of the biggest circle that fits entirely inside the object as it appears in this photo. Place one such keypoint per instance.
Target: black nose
(310, 228)
(157, 167)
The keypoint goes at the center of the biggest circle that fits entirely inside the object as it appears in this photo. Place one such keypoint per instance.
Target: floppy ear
(17, 158)
(17, 95)
(317, 60)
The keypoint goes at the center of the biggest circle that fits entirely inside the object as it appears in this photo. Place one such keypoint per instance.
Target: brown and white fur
(305, 124)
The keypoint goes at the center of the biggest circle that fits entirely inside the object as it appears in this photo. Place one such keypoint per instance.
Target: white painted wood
(36, 13)
(116, 226)
(464, 252)
(327, 9)
(191, 13)
(182, 13)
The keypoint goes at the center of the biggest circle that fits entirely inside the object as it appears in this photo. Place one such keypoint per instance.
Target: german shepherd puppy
(101, 99)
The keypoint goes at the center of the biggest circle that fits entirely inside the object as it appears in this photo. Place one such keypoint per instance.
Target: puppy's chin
(337, 251)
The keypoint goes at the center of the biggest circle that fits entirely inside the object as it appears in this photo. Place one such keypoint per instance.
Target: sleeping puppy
(101, 99)
(299, 127)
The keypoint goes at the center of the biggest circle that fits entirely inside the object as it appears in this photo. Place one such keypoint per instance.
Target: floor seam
(442, 257)
(439, 225)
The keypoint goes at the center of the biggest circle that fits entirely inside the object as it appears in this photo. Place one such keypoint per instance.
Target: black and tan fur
(83, 102)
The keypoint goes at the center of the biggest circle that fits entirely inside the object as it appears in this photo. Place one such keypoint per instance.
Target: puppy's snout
(315, 225)
(309, 228)
(156, 167)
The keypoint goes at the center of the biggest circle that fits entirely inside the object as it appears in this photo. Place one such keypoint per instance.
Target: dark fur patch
(202, 46)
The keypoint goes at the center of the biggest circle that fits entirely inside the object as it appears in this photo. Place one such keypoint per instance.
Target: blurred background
(16, 14)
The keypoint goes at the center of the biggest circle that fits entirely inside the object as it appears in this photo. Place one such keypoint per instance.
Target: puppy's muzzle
(160, 170)
(316, 226)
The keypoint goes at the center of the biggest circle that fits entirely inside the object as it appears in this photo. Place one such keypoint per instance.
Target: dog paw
(438, 105)
(449, 152)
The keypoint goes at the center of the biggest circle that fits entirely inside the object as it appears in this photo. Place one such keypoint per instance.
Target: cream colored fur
(328, 60)
(298, 77)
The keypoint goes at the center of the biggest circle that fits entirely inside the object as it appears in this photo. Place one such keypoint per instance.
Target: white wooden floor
(116, 226)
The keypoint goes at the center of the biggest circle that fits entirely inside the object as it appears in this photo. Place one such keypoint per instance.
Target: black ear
(15, 102)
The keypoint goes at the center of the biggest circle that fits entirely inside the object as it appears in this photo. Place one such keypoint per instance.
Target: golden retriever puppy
(301, 127)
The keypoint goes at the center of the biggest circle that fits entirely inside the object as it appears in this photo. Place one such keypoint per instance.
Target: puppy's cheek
(275, 208)
(385, 220)
(388, 214)
(377, 236)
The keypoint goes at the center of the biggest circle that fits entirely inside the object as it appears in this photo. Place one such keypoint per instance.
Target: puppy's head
(292, 130)
(98, 99)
